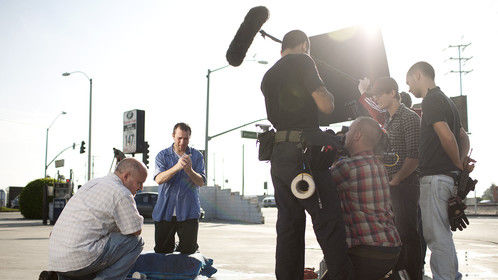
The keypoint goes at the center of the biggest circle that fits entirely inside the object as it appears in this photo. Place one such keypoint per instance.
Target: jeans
(373, 262)
(435, 190)
(115, 262)
(404, 198)
(423, 245)
(327, 221)
(187, 233)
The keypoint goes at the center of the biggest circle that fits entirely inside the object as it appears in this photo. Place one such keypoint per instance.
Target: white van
(269, 201)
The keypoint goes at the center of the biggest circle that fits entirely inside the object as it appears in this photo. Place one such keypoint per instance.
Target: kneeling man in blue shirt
(179, 173)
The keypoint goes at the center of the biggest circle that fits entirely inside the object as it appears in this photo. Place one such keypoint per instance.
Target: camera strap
(306, 161)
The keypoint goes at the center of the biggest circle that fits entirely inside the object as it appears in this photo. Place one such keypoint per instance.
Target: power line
(461, 48)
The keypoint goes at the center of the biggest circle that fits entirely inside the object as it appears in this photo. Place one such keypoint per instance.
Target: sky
(154, 56)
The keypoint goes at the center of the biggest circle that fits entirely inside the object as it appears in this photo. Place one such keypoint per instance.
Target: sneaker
(48, 275)
(138, 275)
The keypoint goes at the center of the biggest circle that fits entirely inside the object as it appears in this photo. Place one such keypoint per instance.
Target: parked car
(145, 203)
(147, 200)
(269, 201)
(14, 203)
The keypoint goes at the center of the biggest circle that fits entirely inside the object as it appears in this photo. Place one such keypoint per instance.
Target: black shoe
(48, 275)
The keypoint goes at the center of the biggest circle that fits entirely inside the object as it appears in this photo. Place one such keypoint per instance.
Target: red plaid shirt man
(363, 187)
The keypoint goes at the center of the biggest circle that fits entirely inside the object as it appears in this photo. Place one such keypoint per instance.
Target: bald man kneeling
(363, 186)
(97, 235)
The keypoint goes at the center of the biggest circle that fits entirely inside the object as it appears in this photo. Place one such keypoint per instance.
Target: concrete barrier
(489, 209)
(223, 204)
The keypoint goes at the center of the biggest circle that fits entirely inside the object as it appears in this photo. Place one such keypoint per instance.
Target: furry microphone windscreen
(253, 22)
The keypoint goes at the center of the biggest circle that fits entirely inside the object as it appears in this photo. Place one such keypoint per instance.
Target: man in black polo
(294, 93)
(403, 127)
(443, 150)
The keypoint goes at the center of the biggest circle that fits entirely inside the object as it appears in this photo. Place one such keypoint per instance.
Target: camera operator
(294, 92)
(363, 186)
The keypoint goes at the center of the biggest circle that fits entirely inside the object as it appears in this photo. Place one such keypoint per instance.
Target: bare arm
(165, 176)
(409, 166)
(195, 177)
(464, 144)
(324, 100)
(449, 143)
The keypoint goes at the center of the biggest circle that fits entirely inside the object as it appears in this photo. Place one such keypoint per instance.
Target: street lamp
(46, 140)
(89, 121)
(206, 137)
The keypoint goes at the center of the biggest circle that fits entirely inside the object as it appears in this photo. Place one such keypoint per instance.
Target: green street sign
(249, 134)
(59, 163)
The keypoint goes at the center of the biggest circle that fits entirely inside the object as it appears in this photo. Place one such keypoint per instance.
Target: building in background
(12, 192)
(3, 198)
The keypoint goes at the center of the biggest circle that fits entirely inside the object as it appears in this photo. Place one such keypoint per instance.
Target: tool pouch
(266, 141)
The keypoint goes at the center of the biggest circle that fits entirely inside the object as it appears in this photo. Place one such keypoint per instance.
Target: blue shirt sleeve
(198, 165)
(161, 164)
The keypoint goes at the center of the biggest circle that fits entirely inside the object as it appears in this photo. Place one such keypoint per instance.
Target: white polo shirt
(101, 206)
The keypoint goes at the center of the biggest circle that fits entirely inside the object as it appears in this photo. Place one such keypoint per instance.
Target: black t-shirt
(436, 107)
(287, 88)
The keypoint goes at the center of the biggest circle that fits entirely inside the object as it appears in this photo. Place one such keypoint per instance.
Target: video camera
(322, 150)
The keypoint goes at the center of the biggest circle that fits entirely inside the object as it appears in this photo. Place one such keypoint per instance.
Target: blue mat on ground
(173, 266)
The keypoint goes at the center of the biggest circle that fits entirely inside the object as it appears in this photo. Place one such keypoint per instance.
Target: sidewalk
(239, 251)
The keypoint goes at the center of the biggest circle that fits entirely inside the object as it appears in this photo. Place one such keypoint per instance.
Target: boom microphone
(253, 22)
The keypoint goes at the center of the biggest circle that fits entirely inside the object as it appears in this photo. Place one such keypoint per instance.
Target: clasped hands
(185, 163)
(468, 164)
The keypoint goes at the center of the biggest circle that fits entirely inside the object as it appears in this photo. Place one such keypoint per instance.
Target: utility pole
(243, 170)
(461, 48)
(93, 165)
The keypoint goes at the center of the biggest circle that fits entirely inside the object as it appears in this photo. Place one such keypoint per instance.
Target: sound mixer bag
(266, 141)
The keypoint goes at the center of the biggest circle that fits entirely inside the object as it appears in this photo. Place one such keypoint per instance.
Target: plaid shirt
(363, 188)
(403, 128)
(101, 206)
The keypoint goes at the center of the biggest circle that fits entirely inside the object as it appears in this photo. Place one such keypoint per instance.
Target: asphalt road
(239, 251)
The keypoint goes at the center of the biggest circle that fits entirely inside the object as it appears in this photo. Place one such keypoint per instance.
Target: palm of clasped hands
(185, 163)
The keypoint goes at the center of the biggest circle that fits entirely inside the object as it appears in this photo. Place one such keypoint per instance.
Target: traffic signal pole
(72, 146)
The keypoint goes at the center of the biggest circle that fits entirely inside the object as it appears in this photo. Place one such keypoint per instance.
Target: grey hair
(370, 129)
(129, 164)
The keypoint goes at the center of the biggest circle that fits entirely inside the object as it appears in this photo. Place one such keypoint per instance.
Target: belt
(293, 136)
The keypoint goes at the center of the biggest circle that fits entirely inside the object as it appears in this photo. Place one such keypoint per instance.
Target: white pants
(435, 190)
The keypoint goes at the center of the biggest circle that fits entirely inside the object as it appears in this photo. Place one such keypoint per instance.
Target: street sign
(249, 134)
(133, 131)
(59, 163)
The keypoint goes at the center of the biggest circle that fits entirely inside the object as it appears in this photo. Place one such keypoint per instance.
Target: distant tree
(488, 194)
(30, 200)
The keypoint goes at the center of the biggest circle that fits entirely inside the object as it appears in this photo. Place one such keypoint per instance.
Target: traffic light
(145, 154)
(82, 147)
